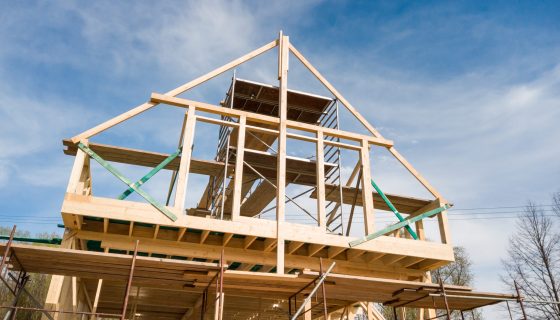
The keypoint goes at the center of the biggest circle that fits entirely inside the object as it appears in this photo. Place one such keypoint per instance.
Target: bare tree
(534, 260)
(556, 203)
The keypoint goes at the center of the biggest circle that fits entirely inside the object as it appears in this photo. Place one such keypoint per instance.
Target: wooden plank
(333, 90)
(156, 231)
(443, 223)
(144, 213)
(248, 241)
(404, 204)
(259, 199)
(293, 246)
(227, 238)
(313, 248)
(187, 86)
(204, 235)
(184, 167)
(258, 118)
(77, 168)
(283, 55)
(362, 120)
(181, 234)
(367, 199)
(334, 251)
(320, 173)
(354, 254)
(238, 173)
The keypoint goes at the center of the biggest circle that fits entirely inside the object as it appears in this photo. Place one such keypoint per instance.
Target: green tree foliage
(37, 285)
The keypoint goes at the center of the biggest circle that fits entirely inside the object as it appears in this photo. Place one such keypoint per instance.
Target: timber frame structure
(268, 268)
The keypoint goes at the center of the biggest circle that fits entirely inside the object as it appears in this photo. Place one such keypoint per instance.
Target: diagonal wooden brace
(125, 180)
(392, 207)
(396, 226)
(150, 174)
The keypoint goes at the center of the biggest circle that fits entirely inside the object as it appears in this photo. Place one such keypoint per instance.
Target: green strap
(398, 225)
(33, 240)
(121, 177)
(150, 174)
(395, 211)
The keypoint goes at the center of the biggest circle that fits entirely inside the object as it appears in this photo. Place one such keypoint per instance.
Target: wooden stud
(270, 120)
(131, 228)
(184, 167)
(74, 294)
(367, 197)
(443, 224)
(283, 55)
(238, 173)
(313, 248)
(227, 238)
(293, 246)
(181, 234)
(77, 169)
(204, 235)
(156, 231)
(248, 241)
(320, 173)
(334, 251)
(354, 254)
(269, 245)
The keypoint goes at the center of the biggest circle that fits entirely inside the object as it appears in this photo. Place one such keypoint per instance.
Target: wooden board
(263, 99)
(403, 204)
(168, 284)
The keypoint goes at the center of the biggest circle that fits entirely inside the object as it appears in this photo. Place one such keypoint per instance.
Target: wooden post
(308, 312)
(443, 224)
(520, 300)
(184, 167)
(54, 294)
(97, 293)
(283, 54)
(238, 179)
(320, 172)
(129, 282)
(77, 168)
(367, 196)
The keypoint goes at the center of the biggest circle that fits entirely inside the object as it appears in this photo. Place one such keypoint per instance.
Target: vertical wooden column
(367, 196)
(443, 226)
(420, 230)
(75, 176)
(320, 167)
(238, 178)
(184, 167)
(59, 283)
(308, 312)
(283, 54)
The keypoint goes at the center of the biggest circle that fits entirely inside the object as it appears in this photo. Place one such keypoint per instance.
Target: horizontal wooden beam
(255, 117)
(78, 205)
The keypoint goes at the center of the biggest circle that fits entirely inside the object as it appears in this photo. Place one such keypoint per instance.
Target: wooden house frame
(274, 257)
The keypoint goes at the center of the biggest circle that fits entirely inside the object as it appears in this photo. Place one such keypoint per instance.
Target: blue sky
(469, 91)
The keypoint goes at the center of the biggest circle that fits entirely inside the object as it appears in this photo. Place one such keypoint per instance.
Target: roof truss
(241, 60)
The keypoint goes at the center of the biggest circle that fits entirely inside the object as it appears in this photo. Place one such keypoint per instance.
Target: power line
(511, 207)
